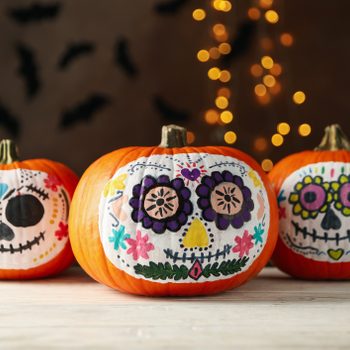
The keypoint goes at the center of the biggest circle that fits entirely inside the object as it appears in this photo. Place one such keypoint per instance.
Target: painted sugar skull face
(314, 206)
(33, 218)
(185, 217)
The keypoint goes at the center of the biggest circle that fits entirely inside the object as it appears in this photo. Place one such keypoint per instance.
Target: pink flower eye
(313, 197)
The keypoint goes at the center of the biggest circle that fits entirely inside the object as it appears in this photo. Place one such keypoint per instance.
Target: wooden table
(271, 312)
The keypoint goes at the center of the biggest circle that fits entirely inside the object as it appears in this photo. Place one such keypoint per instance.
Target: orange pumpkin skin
(65, 257)
(85, 235)
(284, 257)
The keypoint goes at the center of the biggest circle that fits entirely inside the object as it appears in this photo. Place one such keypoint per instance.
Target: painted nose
(6, 232)
(331, 221)
(196, 235)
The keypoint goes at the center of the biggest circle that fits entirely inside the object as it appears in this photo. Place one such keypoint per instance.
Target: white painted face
(314, 206)
(184, 218)
(33, 218)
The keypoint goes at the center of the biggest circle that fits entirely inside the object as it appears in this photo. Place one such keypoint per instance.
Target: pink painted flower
(244, 244)
(139, 246)
(62, 231)
(52, 182)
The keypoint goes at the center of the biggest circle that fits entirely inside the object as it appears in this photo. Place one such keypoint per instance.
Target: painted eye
(345, 195)
(313, 197)
(24, 210)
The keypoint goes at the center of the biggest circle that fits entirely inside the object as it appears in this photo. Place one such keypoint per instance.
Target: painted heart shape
(335, 254)
(191, 175)
(3, 189)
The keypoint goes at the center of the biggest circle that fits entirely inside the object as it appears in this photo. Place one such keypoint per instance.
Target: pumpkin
(313, 189)
(173, 219)
(34, 202)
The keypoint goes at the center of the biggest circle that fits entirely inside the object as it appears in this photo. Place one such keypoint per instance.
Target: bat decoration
(123, 59)
(9, 121)
(169, 7)
(168, 112)
(241, 42)
(35, 12)
(74, 51)
(84, 111)
(28, 69)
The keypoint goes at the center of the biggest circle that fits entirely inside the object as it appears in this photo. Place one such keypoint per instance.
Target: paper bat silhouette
(74, 51)
(123, 59)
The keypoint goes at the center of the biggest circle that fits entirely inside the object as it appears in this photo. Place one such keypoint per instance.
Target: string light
(304, 130)
(226, 117)
(214, 53)
(276, 69)
(214, 73)
(224, 91)
(260, 90)
(299, 97)
(256, 70)
(267, 165)
(190, 137)
(271, 16)
(283, 128)
(277, 140)
(203, 55)
(276, 89)
(267, 62)
(221, 102)
(269, 80)
(198, 14)
(211, 116)
(254, 13)
(224, 48)
(225, 76)
(286, 39)
(230, 137)
(265, 4)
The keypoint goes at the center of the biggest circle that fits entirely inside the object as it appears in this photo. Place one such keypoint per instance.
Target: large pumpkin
(173, 220)
(313, 189)
(34, 202)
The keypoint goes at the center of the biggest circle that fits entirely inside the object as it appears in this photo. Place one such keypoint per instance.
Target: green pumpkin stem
(334, 139)
(173, 136)
(8, 152)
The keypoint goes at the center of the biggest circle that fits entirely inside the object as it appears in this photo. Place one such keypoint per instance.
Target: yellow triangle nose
(196, 235)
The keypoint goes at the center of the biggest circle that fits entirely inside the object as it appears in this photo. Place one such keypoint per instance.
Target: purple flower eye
(345, 194)
(313, 197)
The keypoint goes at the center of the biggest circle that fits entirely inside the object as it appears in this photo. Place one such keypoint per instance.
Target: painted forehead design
(191, 217)
(315, 211)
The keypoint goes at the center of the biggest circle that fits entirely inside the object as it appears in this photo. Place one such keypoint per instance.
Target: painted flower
(342, 194)
(62, 231)
(258, 232)
(52, 182)
(119, 237)
(244, 244)
(224, 199)
(140, 246)
(161, 204)
(311, 196)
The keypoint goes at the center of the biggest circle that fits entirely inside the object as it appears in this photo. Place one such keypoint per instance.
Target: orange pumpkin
(34, 202)
(313, 189)
(173, 219)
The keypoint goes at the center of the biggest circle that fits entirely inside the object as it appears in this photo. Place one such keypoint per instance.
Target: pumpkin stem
(173, 136)
(334, 139)
(8, 152)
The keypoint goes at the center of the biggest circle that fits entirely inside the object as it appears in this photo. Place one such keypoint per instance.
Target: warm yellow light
(267, 62)
(267, 165)
(214, 73)
(198, 14)
(256, 70)
(260, 144)
(276, 69)
(190, 137)
(203, 55)
(214, 53)
(226, 117)
(265, 3)
(225, 6)
(304, 130)
(276, 89)
(211, 116)
(254, 13)
(217, 4)
(277, 140)
(219, 29)
(230, 137)
(224, 48)
(271, 16)
(269, 80)
(224, 91)
(283, 128)
(225, 76)
(221, 102)
(260, 90)
(286, 39)
(299, 97)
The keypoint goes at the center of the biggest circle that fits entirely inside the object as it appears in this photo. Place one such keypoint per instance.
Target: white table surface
(272, 311)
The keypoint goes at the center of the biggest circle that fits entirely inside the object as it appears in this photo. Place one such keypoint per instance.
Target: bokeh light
(260, 90)
(226, 117)
(203, 55)
(198, 14)
(260, 144)
(267, 62)
(269, 80)
(299, 97)
(214, 73)
(304, 129)
(271, 16)
(225, 76)
(191, 137)
(224, 48)
(256, 70)
(267, 165)
(211, 116)
(283, 128)
(277, 140)
(230, 137)
(221, 102)
(286, 39)
(224, 91)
